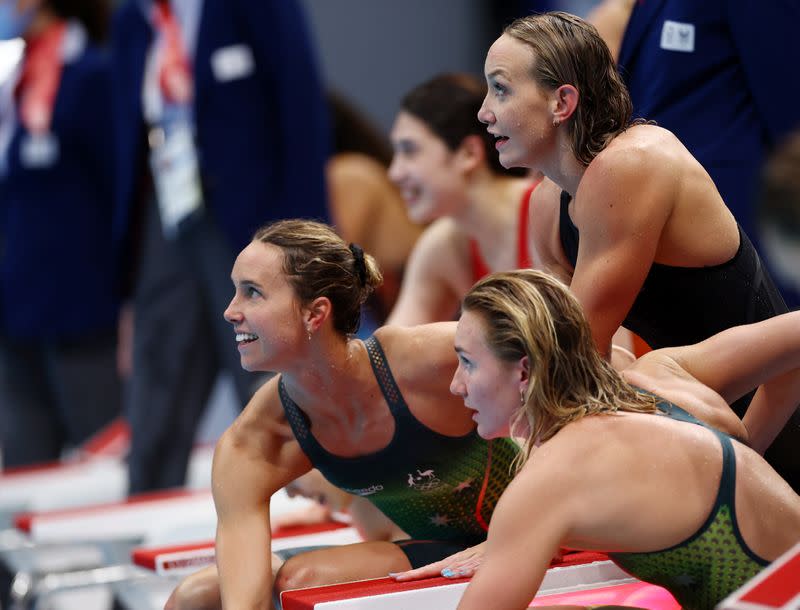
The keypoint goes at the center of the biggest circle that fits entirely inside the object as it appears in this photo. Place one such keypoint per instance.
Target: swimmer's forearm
(244, 563)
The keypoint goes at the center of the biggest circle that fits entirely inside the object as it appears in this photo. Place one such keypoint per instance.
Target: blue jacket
(262, 137)
(56, 269)
(732, 98)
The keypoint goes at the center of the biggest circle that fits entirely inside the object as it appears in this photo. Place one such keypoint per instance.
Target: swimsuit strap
(384, 377)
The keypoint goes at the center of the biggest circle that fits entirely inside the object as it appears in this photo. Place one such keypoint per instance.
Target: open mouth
(499, 141)
(245, 338)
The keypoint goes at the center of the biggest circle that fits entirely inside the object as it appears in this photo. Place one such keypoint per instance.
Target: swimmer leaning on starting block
(620, 463)
(626, 216)
(375, 417)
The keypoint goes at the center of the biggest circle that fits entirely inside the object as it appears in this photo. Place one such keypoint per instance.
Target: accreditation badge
(176, 175)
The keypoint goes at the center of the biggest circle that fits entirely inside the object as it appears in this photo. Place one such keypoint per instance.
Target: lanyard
(172, 61)
(41, 75)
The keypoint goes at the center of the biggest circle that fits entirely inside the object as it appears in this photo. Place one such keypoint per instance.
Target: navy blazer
(262, 138)
(56, 269)
(733, 98)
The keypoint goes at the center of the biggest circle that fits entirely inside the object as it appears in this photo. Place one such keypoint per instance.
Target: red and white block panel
(179, 560)
(587, 581)
(777, 587)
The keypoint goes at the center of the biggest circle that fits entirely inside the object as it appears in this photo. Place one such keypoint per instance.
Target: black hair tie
(360, 265)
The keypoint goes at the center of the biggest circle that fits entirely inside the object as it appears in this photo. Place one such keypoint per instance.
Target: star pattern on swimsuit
(685, 580)
(463, 485)
(440, 520)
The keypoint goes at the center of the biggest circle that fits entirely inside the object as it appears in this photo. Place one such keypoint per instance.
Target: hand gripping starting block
(581, 579)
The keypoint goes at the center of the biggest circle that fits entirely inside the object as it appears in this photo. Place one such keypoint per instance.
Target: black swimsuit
(685, 305)
(434, 487)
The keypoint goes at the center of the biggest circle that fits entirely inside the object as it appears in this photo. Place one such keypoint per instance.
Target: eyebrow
(496, 72)
(245, 283)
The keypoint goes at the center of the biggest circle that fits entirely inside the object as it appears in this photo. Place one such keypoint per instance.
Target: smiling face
(489, 386)
(425, 170)
(516, 110)
(264, 311)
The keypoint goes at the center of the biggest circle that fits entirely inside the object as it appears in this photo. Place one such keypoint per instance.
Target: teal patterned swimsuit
(434, 487)
(712, 563)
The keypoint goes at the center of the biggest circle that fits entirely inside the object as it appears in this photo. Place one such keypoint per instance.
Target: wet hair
(531, 313)
(353, 132)
(94, 15)
(448, 104)
(318, 263)
(568, 51)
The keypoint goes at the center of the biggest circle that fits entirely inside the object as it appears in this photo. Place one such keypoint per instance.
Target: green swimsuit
(434, 487)
(712, 563)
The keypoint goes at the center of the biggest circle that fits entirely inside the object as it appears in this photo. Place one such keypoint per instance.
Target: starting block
(581, 579)
(183, 559)
(776, 587)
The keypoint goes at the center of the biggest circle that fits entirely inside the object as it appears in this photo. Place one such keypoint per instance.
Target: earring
(308, 331)
(556, 122)
(522, 398)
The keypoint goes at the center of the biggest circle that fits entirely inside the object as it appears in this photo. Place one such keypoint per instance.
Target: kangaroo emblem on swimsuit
(424, 480)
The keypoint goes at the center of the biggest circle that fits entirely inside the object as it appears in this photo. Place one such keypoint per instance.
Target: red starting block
(777, 587)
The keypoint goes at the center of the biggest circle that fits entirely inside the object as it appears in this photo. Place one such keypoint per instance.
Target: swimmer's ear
(524, 374)
(565, 102)
(471, 153)
(316, 313)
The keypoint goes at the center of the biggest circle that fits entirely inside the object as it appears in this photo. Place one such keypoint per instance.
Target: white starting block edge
(134, 518)
(61, 486)
(154, 517)
(185, 559)
(95, 479)
(754, 595)
(441, 592)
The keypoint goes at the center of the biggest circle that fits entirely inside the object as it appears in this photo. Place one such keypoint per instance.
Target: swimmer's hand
(460, 565)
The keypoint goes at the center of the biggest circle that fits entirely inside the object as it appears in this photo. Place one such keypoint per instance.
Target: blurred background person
(707, 72)
(449, 174)
(221, 126)
(778, 205)
(58, 310)
(366, 207)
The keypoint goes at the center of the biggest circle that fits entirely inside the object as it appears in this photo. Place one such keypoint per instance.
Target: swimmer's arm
(371, 523)
(525, 533)
(253, 459)
(429, 292)
(352, 201)
(545, 243)
(621, 209)
(763, 355)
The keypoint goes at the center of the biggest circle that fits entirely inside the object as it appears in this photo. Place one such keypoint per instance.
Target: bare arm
(519, 548)
(430, 290)
(621, 209)
(253, 459)
(370, 522)
(764, 355)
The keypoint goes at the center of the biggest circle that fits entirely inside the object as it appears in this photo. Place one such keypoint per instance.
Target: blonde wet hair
(531, 313)
(317, 262)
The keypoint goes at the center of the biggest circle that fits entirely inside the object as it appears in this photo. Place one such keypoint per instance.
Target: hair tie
(360, 264)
